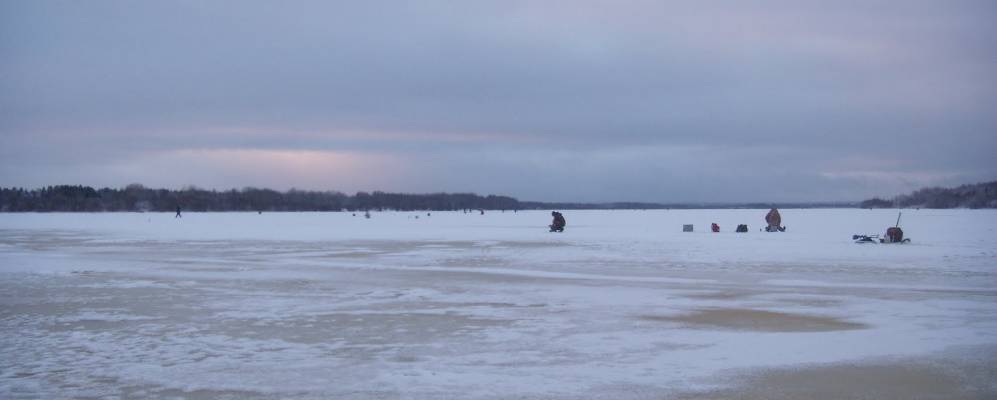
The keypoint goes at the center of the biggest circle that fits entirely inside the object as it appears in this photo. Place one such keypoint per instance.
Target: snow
(623, 304)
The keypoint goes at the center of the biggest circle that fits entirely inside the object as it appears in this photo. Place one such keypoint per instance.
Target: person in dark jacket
(558, 224)
(178, 213)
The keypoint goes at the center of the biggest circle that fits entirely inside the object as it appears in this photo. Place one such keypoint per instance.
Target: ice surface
(621, 305)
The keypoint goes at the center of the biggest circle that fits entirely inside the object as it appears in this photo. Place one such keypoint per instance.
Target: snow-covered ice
(453, 305)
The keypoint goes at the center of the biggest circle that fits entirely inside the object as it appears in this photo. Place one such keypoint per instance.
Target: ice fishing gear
(893, 235)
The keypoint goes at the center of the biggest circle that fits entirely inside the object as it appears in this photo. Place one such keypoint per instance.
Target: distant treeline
(534, 205)
(136, 197)
(979, 195)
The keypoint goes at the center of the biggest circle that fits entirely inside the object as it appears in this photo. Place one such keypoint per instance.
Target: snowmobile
(862, 239)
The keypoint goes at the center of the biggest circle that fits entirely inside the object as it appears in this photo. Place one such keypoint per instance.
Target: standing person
(178, 213)
(558, 224)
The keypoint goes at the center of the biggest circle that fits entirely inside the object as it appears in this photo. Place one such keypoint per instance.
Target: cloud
(228, 168)
(582, 96)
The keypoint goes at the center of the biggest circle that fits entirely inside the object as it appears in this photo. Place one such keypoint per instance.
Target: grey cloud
(829, 83)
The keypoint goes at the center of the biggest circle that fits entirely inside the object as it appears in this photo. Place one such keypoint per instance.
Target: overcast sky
(723, 101)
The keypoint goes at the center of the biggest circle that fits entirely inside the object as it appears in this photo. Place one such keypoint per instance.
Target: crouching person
(774, 221)
(558, 224)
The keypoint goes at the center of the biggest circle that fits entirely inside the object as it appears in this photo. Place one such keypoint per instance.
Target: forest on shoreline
(135, 197)
(977, 195)
(138, 198)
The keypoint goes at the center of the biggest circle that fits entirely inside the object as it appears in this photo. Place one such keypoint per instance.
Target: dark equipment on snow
(742, 228)
(558, 224)
(687, 228)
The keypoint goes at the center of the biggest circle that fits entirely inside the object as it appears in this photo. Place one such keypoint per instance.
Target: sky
(658, 101)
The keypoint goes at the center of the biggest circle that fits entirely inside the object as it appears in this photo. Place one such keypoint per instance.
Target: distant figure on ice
(715, 228)
(178, 213)
(775, 221)
(558, 224)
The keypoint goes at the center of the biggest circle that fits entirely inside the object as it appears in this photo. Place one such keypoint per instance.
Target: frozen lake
(622, 305)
